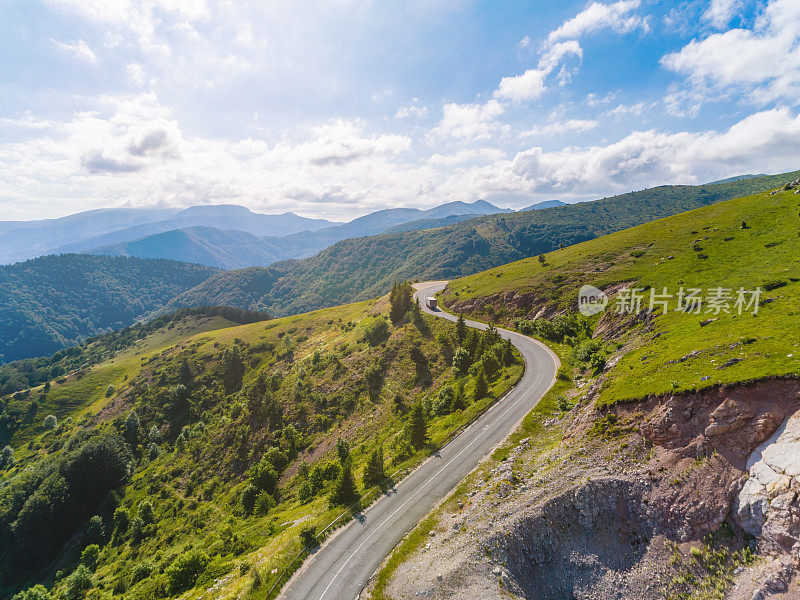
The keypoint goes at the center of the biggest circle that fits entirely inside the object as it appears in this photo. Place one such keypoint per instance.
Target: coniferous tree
(345, 491)
(461, 329)
(233, 365)
(133, 428)
(400, 300)
(343, 450)
(374, 473)
(417, 427)
(508, 353)
(416, 317)
(185, 373)
(481, 388)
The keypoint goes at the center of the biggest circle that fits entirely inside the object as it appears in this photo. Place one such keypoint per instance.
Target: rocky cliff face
(663, 498)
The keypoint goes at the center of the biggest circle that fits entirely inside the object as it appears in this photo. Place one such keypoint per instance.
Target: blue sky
(337, 108)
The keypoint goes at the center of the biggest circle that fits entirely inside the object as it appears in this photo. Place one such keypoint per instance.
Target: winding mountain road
(340, 569)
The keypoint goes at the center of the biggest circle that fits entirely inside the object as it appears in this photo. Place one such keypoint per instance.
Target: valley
(353, 300)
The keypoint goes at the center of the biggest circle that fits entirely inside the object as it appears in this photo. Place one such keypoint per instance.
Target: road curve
(340, 569)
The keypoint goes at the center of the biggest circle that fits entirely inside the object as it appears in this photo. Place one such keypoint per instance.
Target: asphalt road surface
(340, 569)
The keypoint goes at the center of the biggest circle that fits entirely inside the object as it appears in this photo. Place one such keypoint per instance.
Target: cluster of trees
(344, 489)
(43, 506)
(260, 494)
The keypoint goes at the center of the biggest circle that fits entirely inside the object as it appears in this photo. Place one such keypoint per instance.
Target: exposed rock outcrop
(768, 506)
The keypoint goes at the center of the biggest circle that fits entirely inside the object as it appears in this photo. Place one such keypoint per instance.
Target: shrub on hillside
(37, 592)
(182, 574)
(375, 331)
(78, 583)
(90, 555)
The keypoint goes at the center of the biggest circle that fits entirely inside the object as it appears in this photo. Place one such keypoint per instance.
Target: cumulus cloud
(768, 140)
(130, 149)
(562, 42)
(150, 143)
(617, 17)
(342, 142)
(97, 162)
(470, 121)
(764, 60)
(531, 84)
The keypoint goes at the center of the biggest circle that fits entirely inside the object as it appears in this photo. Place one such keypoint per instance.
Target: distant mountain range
(223, 236)
(235, 249)
(302, 245)
(82, 232)
(202, 245)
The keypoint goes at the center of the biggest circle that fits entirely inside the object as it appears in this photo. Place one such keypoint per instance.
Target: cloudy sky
(336, 108)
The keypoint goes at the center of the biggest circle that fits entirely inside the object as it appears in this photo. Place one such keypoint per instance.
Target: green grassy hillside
(217, 445)
(748, 243)
(362, 268)
(52, 302)
(80, 375)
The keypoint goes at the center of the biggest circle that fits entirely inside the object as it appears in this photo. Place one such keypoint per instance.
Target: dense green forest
(221, 453)
(52, 302)
(365, 267)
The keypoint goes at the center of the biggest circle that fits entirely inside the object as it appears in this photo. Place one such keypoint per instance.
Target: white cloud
(768, 140)
(470, 121)
(560, 127)
(78, 49)
(763, 61)
(720, 12)
(342, 142)
(130, 150)
(412, 110)
(465, 156)
(622, 110)
(598, 16)
(531, 84)
(562, 42)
